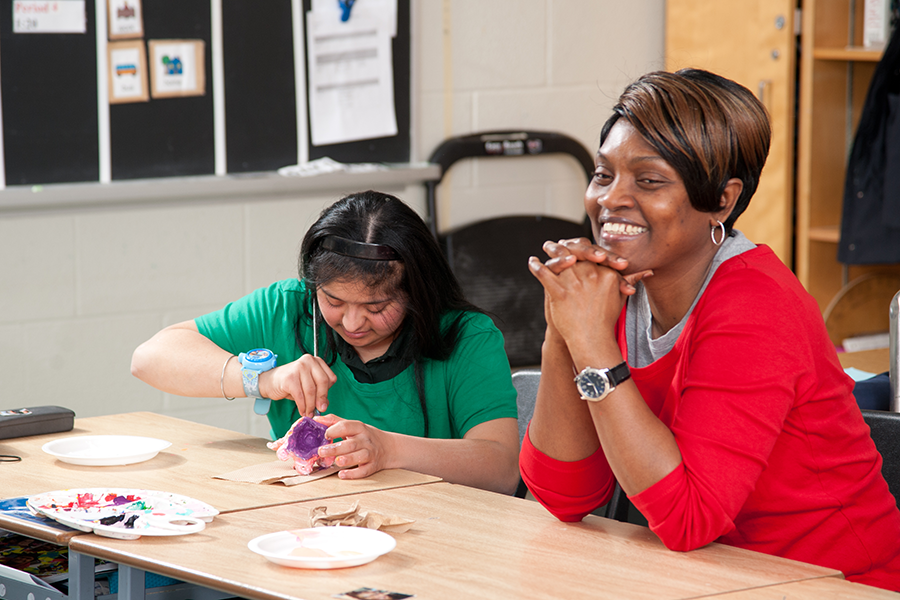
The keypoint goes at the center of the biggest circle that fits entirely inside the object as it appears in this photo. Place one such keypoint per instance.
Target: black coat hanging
(870, 224)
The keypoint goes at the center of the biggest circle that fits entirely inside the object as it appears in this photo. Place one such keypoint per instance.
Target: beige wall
(554, 65)
(79, 290)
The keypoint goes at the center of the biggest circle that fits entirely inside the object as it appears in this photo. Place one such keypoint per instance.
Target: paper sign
(38, 16)
(177, 68)
(351, 77)
(125, 19)
(127, 72)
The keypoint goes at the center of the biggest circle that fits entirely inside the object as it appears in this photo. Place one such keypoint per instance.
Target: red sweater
(776, 456)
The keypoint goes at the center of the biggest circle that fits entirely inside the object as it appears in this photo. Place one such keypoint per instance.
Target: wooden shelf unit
(835, 72)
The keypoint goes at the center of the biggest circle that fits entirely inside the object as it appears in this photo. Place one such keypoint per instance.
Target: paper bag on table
(274, 472)
(355, 517)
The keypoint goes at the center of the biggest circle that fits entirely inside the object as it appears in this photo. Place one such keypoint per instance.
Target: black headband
(346, 247)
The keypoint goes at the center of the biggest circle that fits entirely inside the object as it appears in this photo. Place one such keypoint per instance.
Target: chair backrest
(526, 383)
(490, 257)
(885, 428)
(490, 260)
(859, 308)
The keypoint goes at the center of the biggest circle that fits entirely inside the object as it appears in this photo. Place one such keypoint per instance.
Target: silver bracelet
(222, 378)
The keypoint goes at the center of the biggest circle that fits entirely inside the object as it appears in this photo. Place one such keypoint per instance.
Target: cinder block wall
(554, 65)
(79, 290)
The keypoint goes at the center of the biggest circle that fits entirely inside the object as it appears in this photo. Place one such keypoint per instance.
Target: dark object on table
(874, 393)
(35, 420)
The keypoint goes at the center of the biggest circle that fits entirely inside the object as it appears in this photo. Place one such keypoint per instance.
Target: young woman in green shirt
(376, 335)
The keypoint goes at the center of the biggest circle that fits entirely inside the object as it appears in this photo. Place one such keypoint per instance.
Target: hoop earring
(712, 233)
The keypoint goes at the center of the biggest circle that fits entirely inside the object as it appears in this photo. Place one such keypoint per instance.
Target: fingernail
(533, 263)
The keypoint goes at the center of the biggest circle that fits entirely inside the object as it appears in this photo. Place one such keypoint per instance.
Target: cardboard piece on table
(355, 517)
(277, 471)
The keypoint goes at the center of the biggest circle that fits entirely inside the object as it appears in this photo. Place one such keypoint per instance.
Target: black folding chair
(490, 257)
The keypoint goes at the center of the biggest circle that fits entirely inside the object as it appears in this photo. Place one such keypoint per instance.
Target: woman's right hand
(306, 381)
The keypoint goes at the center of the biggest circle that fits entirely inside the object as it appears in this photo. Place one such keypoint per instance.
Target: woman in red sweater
(705, 382)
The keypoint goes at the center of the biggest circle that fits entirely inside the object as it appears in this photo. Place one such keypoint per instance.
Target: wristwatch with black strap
(595, 384)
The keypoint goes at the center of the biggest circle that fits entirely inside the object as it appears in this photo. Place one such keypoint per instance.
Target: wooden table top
(465, 543)
(198, 452)
(871, 361)
(827, 588)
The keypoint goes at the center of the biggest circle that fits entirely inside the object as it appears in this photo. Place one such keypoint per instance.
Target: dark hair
(422, 275)
(709, 128)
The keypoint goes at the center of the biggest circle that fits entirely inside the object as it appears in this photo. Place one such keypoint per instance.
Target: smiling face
(639, 208)
(367, 319)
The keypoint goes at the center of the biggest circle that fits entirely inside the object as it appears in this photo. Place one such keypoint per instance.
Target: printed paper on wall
(125, 20)
(177, 68)
(127, 72)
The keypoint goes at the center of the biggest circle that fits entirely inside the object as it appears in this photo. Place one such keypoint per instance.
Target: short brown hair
(709, 128)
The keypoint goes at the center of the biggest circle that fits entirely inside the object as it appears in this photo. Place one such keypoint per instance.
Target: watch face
(259, 356)
(592, 384)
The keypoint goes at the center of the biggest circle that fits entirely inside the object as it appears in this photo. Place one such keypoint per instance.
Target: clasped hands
(585, 286)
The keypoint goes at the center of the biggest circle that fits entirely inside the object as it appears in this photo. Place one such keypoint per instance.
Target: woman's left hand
(367, 447)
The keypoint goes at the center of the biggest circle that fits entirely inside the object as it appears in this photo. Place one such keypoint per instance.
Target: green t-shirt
(472, 386)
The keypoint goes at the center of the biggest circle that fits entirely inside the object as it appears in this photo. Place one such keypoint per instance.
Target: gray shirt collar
(643, 349)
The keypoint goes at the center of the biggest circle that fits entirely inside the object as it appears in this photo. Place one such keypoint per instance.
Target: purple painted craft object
(306, 437)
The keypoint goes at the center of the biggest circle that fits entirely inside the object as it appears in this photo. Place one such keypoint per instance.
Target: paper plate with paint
(323, 547)
(124, 513)
(105, 450)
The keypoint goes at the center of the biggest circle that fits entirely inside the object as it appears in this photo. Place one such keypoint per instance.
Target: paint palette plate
(323, 547)
(124, 513)
(105, 450)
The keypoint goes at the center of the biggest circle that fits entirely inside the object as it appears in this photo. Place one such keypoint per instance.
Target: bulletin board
(167, 137)
(48, 89)
(49, 93)
(260, 97)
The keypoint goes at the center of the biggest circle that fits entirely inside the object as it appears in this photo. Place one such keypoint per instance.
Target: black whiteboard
(167, 137)
(49, 91)
(260, 90)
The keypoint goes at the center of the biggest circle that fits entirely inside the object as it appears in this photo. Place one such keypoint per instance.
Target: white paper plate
(323, 547)
(151, 513)
(105, 450)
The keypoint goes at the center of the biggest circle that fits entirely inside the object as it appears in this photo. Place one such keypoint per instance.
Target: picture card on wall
(124, 18)
(127, 72)
(177, 68)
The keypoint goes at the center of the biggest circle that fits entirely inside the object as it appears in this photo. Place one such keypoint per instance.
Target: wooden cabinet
(798, 202)
(753, 43)
(835, 71)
